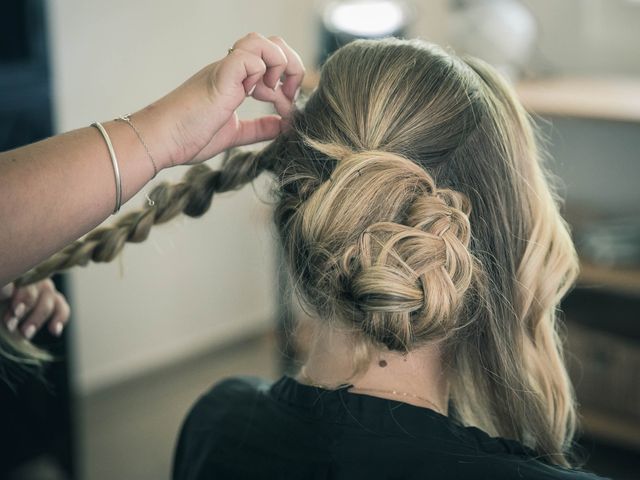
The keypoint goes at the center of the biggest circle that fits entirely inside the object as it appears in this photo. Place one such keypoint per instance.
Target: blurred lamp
(501, 32)
(345, 21)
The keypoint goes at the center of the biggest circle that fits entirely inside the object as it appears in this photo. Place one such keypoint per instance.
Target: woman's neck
(417, 377)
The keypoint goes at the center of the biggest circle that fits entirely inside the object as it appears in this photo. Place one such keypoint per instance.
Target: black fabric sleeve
(202, 431)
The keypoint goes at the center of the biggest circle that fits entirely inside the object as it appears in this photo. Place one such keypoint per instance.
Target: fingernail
(251, 90)
(7, 290)
(19, 310)
(12, 323)
(57, 330)
(278, 83)
(29, 332)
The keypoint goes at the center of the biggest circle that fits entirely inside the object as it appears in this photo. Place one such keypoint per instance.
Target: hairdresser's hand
(203, 109)
(30, 307)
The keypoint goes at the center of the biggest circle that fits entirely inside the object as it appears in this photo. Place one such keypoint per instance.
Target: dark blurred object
(608, 374)
(14, 46)
(348, 20)
(25, 106)
(604, 363)
(611, 242)
(35, 414)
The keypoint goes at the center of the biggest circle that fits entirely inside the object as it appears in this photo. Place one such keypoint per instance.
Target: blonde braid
(191, 196)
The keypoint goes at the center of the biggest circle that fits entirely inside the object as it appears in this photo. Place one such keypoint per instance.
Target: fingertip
(57, 329)
(29, 331)
(269, 128)
(284, 105)
(271, 79)
(291, 88)
(20, 310)
(12, 324)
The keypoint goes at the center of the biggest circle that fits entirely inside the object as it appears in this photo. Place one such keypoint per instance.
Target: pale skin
(417, 377)
(56, 190)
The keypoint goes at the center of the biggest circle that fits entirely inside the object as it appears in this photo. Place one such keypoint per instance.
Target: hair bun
(409, 280)
(388, 246)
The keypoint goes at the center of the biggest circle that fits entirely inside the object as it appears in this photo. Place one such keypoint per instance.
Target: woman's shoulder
(533, 469)
(509, 458)
(241, 410)
(238, 386)
(227, 395)
(216, 415)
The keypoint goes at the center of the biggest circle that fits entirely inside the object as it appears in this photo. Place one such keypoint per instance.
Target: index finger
(272, 55)
(294, 72)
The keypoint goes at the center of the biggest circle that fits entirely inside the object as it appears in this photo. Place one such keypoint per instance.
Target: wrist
(159, 135)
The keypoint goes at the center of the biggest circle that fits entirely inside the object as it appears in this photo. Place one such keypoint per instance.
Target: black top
(245, 427)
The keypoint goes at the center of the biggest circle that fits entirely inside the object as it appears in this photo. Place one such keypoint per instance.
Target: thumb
(258, 130)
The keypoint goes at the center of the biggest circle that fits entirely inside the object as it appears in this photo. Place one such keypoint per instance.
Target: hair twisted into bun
(398, 248)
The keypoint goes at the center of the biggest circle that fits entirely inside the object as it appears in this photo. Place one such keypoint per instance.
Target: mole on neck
(418, 372)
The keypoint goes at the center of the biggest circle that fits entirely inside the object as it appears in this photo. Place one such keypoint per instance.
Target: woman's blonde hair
(413, 206)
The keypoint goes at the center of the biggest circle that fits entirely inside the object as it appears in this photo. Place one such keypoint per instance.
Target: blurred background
(201, 299)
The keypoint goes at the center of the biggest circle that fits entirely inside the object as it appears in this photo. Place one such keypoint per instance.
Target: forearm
(56, 190)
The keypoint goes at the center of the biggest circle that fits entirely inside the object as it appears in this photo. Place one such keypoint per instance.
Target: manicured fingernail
(29, 332)
(12, 323)
(57, 330)
(19, 310)
(250, 92)
(7, 290)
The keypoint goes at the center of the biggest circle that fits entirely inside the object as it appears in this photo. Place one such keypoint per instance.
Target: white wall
(587, 36)
(195, 283)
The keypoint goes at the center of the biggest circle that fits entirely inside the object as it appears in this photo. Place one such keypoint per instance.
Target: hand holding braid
(192, 196)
